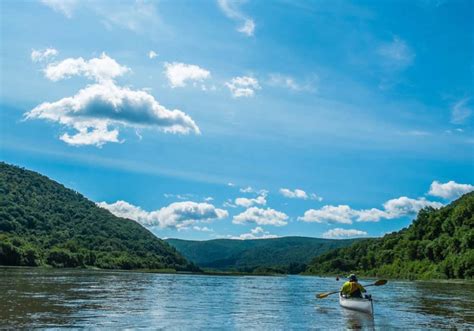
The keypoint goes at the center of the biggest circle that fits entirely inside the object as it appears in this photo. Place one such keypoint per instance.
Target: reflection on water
(357, 321)
(83, 298)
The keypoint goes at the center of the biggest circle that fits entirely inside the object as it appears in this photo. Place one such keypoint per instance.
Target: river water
(51, 298)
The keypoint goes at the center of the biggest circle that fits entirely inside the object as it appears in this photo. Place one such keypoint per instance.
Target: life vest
(350, 288)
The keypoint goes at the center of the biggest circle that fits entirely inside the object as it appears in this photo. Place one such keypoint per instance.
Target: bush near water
(438, 244)
(44, 223)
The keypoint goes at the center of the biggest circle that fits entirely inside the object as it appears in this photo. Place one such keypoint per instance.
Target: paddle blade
(380, 282)
(322, 295)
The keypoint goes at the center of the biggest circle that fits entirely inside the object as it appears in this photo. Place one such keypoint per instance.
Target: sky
(244, 119)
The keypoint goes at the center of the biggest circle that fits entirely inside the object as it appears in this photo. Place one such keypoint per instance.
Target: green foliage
(44, 223)
(276, 255)
(439, 244)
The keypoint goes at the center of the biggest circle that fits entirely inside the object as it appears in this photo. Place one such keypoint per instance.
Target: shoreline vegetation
(44, 224)
(237, 274)
(439, 244)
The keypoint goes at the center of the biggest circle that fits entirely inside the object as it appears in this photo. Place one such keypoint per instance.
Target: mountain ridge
(43, 223)
(283, 254)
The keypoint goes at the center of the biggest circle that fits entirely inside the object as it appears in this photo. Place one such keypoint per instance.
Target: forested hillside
(44, 223)
(284, 255)
(439, 244)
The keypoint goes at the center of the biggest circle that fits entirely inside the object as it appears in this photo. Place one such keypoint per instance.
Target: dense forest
(276, 255)
(438, 244)
(44, 223)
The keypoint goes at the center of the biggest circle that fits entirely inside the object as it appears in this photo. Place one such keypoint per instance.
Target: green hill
(285, 255)
(44, 223)
(438, 244)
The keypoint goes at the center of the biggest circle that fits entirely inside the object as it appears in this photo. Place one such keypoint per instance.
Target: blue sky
(244, 119)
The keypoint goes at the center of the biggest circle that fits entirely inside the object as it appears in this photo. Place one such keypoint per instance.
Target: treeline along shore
(44, 224)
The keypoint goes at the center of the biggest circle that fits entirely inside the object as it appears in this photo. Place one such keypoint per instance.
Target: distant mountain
(44, 223)
(438, 244)
(286, 254)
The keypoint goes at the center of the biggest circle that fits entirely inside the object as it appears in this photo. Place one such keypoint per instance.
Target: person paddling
(352, 288)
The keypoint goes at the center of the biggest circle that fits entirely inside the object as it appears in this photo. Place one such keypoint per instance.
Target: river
(50, 298)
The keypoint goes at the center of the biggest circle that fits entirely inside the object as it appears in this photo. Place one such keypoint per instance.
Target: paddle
(380, 282)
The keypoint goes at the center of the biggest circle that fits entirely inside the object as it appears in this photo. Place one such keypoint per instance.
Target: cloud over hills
(178, 215)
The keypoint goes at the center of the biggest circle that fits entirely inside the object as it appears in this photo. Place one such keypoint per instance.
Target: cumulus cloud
(296, 194)
(43, 54)
(152, 54)
(231, 10)
(405, 206)
(97, 111)
(261, 217)
(178, 215)
(180, 73)
(329, 214)
(396, 54)
(256, 233)
(243, 86)
(99, 69)
(246, 202)
(461, 111)
(449, 190)
(202, 228)
(339, 233)
(96, 108)
(299, 194)
(344, 214)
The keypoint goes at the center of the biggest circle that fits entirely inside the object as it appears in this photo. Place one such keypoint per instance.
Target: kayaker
(352, 288)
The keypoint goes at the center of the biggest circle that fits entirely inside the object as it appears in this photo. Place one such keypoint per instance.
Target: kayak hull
(362, 305)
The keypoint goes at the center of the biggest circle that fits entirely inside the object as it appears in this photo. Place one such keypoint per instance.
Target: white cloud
(138, 16)
(152, 54)
(178, 215)
(245, 202)
(338, 233)
(461, 111)
(288, 82)
(202, 228)
(65, 7)
(449, 190)
(231, 10)
(329, 214)
(180, 73)
(299, 194)
(256, 233)
(396, 54)
(99, 69)
(248, 28)
(261, 217)
(295, 194)
(243, 86)
(98, 110)
(229, 204)
(43, 55)
(247, 189)
(230, 184)
(405, 206)
(344, 214)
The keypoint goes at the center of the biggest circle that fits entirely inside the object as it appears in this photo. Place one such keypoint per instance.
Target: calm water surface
(82, 298)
